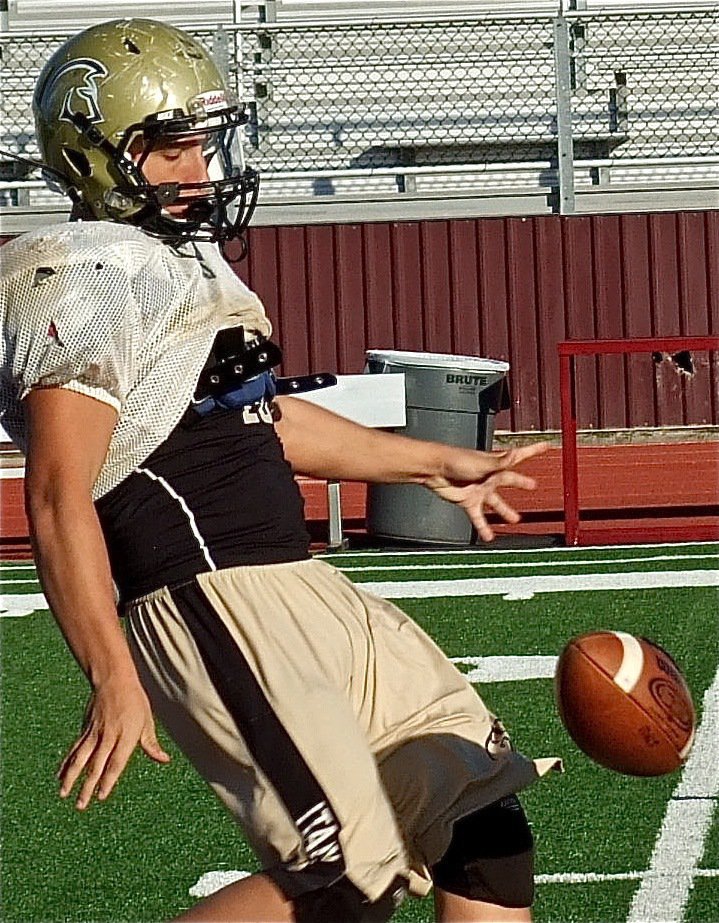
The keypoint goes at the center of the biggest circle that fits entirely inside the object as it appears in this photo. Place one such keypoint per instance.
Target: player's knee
(490, 857)
(343, 901)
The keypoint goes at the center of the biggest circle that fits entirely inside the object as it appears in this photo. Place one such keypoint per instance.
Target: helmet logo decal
(81, 98)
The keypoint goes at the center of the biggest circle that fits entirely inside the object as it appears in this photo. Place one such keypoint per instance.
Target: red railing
(568, 351)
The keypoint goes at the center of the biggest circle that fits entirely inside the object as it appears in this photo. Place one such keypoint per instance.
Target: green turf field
(609, 848)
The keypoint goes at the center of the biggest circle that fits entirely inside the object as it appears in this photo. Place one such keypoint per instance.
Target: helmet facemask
(218, 209)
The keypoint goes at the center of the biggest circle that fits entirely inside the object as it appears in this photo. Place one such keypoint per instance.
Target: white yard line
(474, 557)
(580, 878)
(508, 668)
(510, 588)
(474, 563)
(526, 587)
(480, 551)
(519, 564)
(665, 886)
(14, 605)
(212, 881)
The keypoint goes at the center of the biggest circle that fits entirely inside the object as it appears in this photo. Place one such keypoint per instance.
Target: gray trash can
(450, 399)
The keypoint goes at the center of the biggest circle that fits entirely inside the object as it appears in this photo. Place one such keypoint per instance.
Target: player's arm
(68, 437)
(320, 443)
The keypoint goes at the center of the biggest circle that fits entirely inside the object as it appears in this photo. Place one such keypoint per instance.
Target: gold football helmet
(136, 84)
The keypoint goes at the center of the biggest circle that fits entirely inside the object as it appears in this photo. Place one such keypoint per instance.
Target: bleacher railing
(578, 112)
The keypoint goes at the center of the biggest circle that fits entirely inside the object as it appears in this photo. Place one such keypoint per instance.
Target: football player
(137, 379)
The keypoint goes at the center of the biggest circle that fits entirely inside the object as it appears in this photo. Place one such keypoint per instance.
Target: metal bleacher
(426, 108)
(415, 104)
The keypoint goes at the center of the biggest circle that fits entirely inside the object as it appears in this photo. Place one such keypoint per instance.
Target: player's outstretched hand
(118, 718)
(472, 481)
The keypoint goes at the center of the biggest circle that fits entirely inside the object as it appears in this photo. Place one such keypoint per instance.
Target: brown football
(625, 703)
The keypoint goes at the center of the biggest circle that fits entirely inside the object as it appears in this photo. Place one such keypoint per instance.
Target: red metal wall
(508, 288)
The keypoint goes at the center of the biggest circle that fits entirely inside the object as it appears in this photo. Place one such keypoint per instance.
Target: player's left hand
(472, 480)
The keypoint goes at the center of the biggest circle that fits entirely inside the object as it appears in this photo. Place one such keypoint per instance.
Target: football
(625, 703)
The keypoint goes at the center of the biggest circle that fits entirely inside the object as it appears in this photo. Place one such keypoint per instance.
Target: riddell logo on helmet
(81, 98)
(213, 99)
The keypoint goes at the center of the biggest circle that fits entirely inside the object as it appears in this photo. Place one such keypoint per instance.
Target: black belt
(232, 363)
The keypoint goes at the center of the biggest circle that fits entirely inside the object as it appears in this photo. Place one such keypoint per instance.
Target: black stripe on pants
(272, 748)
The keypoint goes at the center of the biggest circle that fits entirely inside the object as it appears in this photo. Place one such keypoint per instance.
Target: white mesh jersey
(107, 311)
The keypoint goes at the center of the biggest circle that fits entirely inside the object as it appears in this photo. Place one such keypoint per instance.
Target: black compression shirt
(217, 493)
